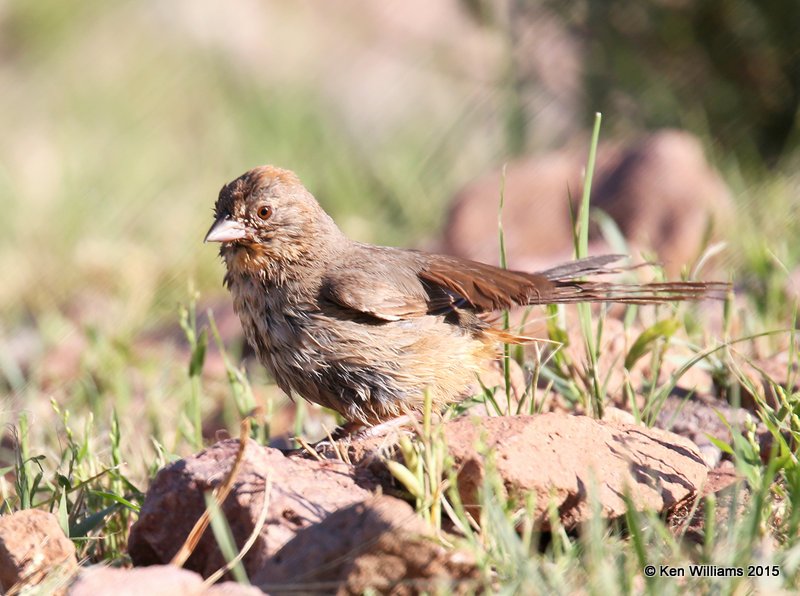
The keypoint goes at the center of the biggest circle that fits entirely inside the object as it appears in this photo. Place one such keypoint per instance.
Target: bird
(369, 330)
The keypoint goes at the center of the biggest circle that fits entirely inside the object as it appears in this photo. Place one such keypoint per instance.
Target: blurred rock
(231, 589)
(303, 493)
(664, 196)
(158, 580)
(619, 416)
(535, 214)
(615, 344)
(567, 458)
(660, 191)
(697, 417)
(760, 380)
(32, 546)
(732, 500)
(720, 478)
(377, 545)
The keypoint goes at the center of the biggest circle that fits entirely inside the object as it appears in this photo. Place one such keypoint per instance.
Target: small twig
(343, 456)
(219, 496)
(262, 519)
(311, 451)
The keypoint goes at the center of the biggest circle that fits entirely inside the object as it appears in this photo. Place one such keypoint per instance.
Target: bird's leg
(383, 428)
(354, 431)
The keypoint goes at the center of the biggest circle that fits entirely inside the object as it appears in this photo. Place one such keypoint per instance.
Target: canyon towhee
(366, 330)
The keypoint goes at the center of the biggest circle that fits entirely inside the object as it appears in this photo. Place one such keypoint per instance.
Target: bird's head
(268, 223)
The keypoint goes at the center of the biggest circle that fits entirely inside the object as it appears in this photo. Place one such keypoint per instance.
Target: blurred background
(120, 122)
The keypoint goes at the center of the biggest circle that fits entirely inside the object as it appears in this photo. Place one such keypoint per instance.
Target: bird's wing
(406, 284)
(388, 298)
(484, 288)
(460, 283)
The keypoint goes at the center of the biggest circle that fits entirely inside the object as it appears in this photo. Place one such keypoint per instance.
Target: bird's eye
(264, 212)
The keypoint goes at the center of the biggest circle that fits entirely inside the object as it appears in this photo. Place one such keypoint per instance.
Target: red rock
(303, 493)
(378, 545)
(660, 191)
(158, 580)
(565, 458)
(32, 546)
(231, 589)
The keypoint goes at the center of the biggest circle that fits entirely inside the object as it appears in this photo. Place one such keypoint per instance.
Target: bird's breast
(276, 326)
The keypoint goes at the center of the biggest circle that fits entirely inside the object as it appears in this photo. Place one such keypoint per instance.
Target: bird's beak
(225, 230)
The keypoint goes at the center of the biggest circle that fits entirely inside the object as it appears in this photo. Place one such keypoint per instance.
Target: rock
(232, 589)
(664, 196)
(720, 478)
(617, 416)
(697, 417)
(617, 339)
(155, 581)
(303, 492)
(536, 222)
(732, 501)
(32, 546)
(758, 376)
(660, 191)
(565, 458)
(378, 545)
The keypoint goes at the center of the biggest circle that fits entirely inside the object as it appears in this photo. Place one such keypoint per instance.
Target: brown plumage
(366, 330)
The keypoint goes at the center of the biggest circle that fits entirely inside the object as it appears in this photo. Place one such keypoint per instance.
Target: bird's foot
(358, 439)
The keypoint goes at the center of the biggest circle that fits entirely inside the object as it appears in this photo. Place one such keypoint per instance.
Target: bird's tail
(567, 287)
